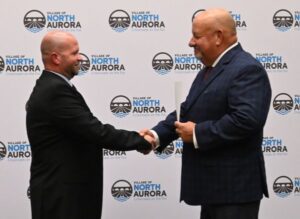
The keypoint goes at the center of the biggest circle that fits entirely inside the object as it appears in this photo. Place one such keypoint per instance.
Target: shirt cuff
(157, 143)
(195, 139)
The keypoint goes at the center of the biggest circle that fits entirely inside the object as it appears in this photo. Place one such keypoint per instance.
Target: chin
(76, 71)
(199, 57)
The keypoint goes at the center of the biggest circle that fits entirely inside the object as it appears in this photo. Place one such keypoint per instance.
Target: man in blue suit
(221, 124)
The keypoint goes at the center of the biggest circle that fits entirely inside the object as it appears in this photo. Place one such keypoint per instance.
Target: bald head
(55, 41)
(213, 32)
(217, 19)
(60, 53)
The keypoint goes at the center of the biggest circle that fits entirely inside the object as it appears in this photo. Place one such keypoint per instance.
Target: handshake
(184, 130)
(148, 136)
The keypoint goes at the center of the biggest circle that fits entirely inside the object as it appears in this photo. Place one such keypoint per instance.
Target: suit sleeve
(166, 129)
(248, 104)
(73, 117)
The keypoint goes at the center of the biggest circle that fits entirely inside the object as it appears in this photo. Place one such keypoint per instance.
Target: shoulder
(244, 61)
(51, 81)
(49, 86)
(48, 89)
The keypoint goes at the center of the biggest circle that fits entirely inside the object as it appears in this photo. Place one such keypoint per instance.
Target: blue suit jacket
(229, 108)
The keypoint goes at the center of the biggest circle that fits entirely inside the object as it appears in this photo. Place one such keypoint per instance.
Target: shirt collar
(223, 53)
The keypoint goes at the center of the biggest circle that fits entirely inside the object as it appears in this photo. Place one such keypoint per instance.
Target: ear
(55, 58)
(219, 37)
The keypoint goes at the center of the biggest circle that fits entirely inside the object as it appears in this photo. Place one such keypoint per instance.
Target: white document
(178, 97)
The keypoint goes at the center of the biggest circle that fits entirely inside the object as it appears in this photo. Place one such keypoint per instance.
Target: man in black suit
(221, 124)
(66, 139)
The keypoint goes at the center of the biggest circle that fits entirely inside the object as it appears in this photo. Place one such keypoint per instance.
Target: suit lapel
(79, 95)
(200, 85)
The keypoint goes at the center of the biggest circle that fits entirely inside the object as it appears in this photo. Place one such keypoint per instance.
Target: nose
(192, 42)
(79, 57)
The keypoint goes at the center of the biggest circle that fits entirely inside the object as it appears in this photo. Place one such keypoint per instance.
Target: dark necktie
(207, 72)
(197, 85)
(74, 88)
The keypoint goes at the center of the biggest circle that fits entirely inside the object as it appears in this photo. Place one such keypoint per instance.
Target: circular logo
(2, 65)
(120, 106)
(121, 190)
(162, 63)
(196, 13)
(283, 103)
(167, 152)
(283, 20)
(34, 21)
(283, 186)
(119, 20)
(84, 64)
(3, 151)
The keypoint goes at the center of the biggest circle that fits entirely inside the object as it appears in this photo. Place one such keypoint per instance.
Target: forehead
(201, 23)
(71, 43)
(71, 40)
(198, 27)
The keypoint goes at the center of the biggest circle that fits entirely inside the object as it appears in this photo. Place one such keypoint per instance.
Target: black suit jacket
(229, 108)
(66, 142)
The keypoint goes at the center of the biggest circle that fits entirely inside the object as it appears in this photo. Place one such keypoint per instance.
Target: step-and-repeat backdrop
(133, 53)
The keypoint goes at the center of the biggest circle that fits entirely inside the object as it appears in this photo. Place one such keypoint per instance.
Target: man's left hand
(185, 130)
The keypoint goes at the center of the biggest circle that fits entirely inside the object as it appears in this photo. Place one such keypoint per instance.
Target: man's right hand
(147, 134)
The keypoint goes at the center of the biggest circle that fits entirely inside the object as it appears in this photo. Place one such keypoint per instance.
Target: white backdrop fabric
(134, 52)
